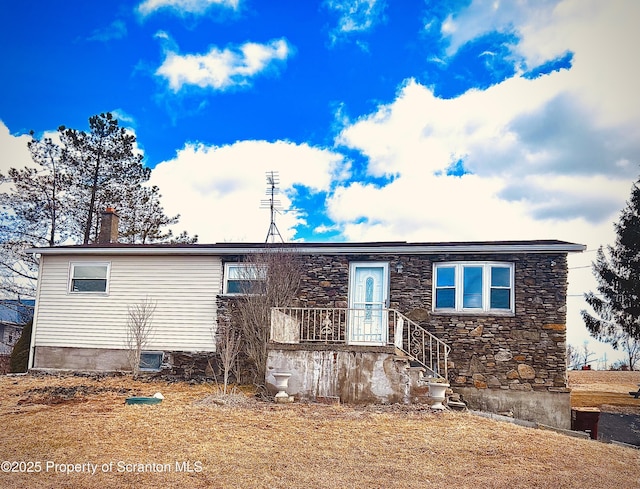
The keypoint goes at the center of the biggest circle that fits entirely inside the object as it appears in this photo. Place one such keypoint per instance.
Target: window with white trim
(244, 278)
(89, 277)
(473, 287)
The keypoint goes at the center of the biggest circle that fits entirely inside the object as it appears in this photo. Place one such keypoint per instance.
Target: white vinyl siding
(184, 287)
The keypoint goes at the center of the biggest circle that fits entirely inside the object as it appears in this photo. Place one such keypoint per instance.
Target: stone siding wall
(523, 351)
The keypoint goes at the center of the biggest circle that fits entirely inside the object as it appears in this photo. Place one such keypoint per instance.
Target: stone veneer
(495, 353)
(523, 351)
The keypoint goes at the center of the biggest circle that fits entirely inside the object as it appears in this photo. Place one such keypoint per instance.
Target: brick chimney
(108, 226)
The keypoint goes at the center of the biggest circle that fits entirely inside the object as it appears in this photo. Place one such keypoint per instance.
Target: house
(14, 314)
(370, 318)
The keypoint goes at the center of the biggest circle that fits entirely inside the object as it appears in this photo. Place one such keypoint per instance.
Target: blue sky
(416, 120)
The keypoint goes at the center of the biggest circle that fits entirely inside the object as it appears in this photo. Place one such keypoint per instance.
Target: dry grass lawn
(607, 390)
(77, 420)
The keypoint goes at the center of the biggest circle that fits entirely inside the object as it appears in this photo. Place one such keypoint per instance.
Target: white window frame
(242, 265)
(72, 268)
(486, 287)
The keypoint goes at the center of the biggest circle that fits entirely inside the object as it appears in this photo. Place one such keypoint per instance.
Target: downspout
(35, 316)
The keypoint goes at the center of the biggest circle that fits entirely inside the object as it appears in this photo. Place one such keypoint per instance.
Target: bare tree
(573, 357)
(268, 279)
(228, 346)
(586, 356)
(631, 347)
(139, 329)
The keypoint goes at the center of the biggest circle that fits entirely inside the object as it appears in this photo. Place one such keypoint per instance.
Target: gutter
(34, 321)
(408, 249)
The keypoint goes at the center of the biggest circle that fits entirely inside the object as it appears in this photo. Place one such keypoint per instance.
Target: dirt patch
(50, 395)
(5, 364)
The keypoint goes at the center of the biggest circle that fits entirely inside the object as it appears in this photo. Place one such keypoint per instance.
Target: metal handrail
(423, 347)
(330, 326)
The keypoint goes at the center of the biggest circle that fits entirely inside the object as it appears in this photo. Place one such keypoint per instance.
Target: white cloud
(552, 157)
(602, 36)
(514, 191)
(420, 131)
(221, 69)
(15, 153)
(561, 148)
(182, 7)
(485, 16)
(355, 16)
(124, 118)
(218, 190)
(606, 64)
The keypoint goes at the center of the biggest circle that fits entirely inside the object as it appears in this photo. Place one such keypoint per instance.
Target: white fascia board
(405, 249)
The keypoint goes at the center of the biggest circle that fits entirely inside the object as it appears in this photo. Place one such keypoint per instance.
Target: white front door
(368, 299)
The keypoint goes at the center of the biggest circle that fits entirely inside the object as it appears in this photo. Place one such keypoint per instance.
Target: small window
(445, 287)
(500, 293)
(473, 287)
(151, 361)
(89, 277)
(244, 278)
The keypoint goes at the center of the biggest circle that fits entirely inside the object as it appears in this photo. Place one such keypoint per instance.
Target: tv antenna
(273, 205)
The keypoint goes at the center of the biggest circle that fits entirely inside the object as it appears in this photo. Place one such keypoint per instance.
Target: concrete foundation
(352, 374)
(361, 375)
(83, 359)
(176, 364)
(544, 407)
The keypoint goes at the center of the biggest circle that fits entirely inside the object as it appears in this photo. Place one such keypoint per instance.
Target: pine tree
(142, 218)
(60, 199)
(617, 303)
(33, 212)
(104, 162)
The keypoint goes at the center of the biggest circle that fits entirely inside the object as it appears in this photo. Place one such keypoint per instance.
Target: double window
(89, 277)
(474, 287)
(244, 278)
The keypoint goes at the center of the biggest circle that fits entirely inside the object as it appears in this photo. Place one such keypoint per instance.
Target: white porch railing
(331, 326)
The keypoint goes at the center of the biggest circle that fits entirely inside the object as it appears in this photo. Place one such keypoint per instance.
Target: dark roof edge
(389, 247)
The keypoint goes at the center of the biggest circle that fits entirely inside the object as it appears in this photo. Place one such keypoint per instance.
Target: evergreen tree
(103, 162)
(60, 199)
(617, 303)
(142, 218)
(32, 213)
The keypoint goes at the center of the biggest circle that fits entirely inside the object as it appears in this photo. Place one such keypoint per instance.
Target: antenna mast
(273, 205)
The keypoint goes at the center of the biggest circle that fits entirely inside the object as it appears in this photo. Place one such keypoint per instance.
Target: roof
(380, 247)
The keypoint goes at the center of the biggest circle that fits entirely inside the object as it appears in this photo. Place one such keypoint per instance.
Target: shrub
(20, 353)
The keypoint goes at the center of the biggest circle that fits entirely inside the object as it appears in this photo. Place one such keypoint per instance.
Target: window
(151, 361)
(89, 277)
(244, 278)
(473, 287)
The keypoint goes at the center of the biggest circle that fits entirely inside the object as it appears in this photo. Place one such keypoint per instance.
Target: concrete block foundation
(82, 359)
(544, 407)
